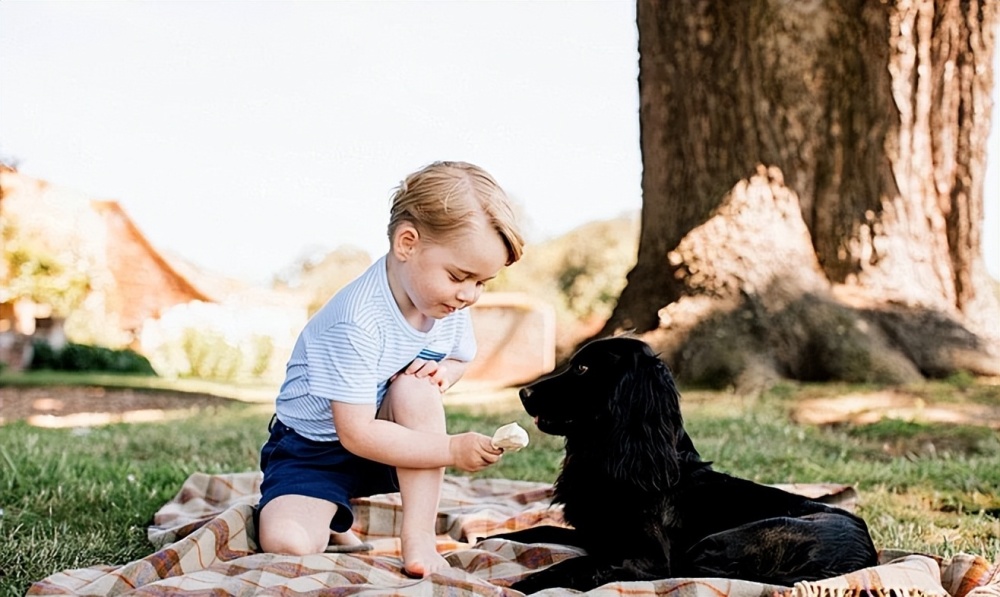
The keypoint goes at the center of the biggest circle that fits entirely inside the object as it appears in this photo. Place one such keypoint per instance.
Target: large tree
(813, 189)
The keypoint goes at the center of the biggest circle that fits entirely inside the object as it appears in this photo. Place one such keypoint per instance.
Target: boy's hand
(473, 451)
(431, 370)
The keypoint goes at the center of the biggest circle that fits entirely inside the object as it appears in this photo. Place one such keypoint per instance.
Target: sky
(246, 135)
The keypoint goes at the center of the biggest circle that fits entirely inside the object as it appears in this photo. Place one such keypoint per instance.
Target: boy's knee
(295, 525)
(415, 401)
(289, 540)
(413, 390)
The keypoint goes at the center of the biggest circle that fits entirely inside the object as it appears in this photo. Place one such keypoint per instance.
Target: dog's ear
(647, 424)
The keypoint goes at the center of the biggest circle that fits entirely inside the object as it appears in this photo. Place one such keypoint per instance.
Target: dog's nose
(525, 393)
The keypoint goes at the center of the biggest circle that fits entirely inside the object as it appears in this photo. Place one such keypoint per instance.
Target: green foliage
(581, 273)
(43, 356)
(81, 357)
(31, 270)
(320, 276)
(962, 380)
(91, 322)
(219, 349)
(260, 356)
(212, 356)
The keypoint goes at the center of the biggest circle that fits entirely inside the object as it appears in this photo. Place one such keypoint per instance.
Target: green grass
(80, 498)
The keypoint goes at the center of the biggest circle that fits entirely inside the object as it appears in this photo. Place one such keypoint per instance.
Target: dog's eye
(580, 369)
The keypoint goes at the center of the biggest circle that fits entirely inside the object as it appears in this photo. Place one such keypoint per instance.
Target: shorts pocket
(280, 434)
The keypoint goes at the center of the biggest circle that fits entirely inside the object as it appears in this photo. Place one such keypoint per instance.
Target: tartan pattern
(205, 546)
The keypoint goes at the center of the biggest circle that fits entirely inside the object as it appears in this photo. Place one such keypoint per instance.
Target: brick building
(127, 275)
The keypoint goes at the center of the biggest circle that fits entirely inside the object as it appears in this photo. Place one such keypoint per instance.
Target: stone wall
(516, 336)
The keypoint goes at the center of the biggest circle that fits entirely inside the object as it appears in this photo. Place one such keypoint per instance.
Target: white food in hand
(510, 438)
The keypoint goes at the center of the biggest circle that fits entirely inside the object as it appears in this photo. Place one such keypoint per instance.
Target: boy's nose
(469, 294)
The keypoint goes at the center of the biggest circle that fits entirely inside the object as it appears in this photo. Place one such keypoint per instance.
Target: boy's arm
(388, 442)
(391, 443)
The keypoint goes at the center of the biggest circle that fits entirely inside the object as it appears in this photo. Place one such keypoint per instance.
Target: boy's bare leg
(296, 525)
(421, 491)
(416, 403)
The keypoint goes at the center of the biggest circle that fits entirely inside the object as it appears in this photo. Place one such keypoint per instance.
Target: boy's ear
(405, 241)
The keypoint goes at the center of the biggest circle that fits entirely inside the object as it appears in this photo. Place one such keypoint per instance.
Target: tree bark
(808, 162)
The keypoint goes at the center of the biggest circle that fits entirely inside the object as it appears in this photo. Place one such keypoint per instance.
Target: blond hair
(442, 198)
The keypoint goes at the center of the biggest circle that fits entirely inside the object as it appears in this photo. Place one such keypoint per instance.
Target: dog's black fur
(645, 506)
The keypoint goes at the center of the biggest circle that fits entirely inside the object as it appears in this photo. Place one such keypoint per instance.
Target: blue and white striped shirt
(352, 346)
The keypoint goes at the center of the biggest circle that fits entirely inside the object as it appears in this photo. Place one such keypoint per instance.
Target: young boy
(360, 410)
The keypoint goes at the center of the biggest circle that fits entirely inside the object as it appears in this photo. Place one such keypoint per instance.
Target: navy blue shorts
(296, 465)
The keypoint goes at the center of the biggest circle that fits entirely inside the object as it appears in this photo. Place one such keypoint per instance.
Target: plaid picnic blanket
(205, 545)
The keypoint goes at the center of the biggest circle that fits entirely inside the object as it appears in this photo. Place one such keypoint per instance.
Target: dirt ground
(73, 406)
(871, 407)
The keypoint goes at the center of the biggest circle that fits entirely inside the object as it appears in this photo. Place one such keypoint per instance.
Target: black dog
(645, 506)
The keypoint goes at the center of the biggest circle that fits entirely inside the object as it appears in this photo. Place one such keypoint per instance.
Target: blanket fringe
(810, 590)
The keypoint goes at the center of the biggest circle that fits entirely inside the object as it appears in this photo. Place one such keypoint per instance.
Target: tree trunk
(813, 189)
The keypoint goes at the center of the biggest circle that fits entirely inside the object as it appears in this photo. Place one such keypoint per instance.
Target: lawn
(72, 498)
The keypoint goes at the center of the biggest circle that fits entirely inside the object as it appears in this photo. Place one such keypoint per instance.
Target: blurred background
(239, 158)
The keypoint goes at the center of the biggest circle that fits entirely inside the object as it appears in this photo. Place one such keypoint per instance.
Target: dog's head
(616, 396)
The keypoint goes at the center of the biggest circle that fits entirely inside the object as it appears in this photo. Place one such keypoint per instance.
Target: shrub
(82, 357)
(43, 356)
(222, 342)
(211, 356)
(581, 273)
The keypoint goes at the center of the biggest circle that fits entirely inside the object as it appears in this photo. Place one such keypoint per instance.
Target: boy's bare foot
(346, 543)
(420, 556)
(347, 538)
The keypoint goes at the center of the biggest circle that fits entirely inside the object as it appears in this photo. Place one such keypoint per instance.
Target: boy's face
(440, 277)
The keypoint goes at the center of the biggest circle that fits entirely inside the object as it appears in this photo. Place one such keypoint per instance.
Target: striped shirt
(352, 346)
